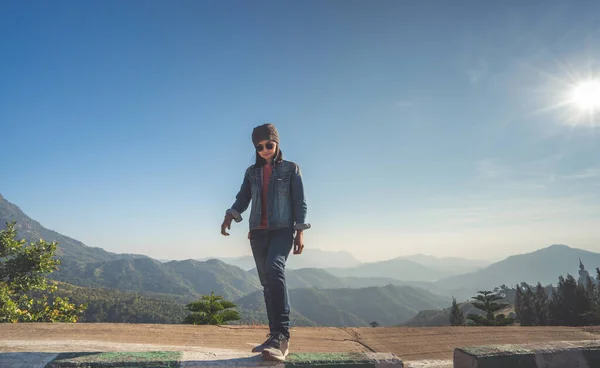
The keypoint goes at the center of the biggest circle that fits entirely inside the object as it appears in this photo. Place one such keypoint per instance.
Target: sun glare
(586, 96)
(571, 93)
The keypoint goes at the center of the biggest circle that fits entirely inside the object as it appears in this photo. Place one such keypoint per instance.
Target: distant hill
(310, 258)
(441, 317)
(252, 310)
(311, 277)
(75, 269)
(111, 305)
(213, 275)
(452, 265)
(389, 305)
(322, 279)
(245, 262)
(397, 268)
(397, 288)
(188, 278)
(193, 278)
(68, 248)
(544, 265)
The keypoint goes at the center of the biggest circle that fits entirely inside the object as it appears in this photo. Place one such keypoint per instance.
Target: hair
(261, 161)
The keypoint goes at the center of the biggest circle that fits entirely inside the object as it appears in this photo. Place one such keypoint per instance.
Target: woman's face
(266, 149)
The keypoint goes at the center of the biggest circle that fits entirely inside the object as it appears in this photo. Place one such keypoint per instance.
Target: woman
(274, 186)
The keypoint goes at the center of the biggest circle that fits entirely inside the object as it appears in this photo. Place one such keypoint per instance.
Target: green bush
(24, 287)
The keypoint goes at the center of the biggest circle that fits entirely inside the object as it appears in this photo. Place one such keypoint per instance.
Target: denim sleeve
(299, 207)
(242, 199)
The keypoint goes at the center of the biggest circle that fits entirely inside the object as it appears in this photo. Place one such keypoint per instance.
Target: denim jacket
(286, 203)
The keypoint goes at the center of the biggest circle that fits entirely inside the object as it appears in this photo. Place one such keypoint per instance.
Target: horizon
(452, 131)
(204, 258)
(487, 261)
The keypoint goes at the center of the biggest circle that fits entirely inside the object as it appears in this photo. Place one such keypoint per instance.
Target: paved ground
(439, 342)
(418, 347)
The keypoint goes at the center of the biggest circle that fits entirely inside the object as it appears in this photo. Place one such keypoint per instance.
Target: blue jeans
(271, 249)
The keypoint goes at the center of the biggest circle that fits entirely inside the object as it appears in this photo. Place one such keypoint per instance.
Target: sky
(461, 128)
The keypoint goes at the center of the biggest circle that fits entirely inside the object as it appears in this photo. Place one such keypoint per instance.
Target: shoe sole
(273, 358)
(276, 358)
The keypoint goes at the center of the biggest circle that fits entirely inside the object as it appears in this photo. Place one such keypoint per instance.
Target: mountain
(94, 267)
(311, 277)
(544, 265)
(330, 289)
(252, 310)
(194, 278)
(117, 286)
(141, 274)
(396, 268)
(441, 317)
(388, 306)
(116, 306)
(244, 262)
(68, 248)
(321, 279)
(187, 278)
(453, 265)
(82, 265)
(213, 275)
(310, 258)
(318, 258)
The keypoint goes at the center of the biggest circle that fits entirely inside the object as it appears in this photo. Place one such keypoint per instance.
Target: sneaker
(259, 348)
(277, 348)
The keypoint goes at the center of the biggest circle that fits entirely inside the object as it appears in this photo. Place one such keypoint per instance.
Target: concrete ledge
(150, 359)
(343, 360)
(555, 354)
(176, 359)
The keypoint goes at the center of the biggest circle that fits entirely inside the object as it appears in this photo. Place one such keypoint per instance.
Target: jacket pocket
(283, 184)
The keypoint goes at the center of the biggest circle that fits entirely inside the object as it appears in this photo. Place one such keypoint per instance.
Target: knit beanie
(265, 132)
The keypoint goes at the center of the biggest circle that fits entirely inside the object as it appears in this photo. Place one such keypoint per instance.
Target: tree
(540, 306)
(457, 317)
(518, 303)
(563, 306)
(374, 324)
(488, 303)
(592, 317)
(526, 305)
(211, 310)
(24, 287)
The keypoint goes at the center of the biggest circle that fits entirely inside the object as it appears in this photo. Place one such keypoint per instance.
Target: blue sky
(425, 127)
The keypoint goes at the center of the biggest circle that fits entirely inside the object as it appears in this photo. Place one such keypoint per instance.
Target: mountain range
(311, 258)
(417, 267)
(429, 281)
(452, 265)
(388, 305)
(543, 265)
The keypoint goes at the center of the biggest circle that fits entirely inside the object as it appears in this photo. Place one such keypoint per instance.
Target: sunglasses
(269, 146)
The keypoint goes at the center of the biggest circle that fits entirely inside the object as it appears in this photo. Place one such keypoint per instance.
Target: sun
(586, 96)
(567, 92)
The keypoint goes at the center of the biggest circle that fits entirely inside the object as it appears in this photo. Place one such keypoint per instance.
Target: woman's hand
(226, 224)
(299, 242)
